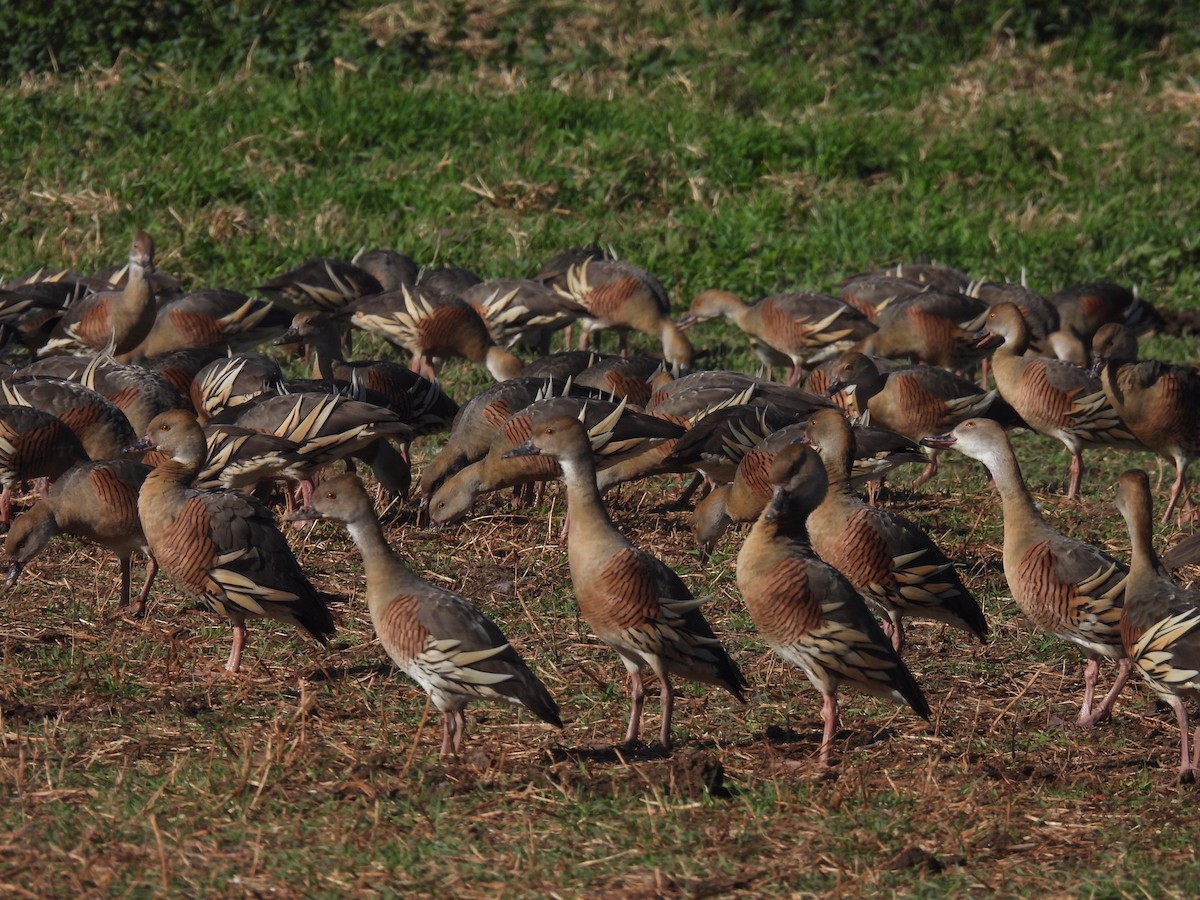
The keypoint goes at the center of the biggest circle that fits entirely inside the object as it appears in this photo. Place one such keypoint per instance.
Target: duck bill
(776, 505)
(288, 337)
(525, 448)
(939, 441)
(1097, 366)
(140, 446)
(686, 322)
(14, 572)
(305, 515)
(984, 339)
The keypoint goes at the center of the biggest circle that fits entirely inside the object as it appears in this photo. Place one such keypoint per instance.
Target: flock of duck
(888, 372)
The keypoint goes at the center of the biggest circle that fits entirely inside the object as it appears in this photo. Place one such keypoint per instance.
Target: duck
(231, 381)
(324, 283)
(805, 610)
(210, 317)
(804, 326)
(871, 294)
(222, 546)
(1065, 587)
(1053, 397)
(437, 637)
(95, 500)
(1085, 307)
(1156, 401)
(33, 444)
(120, 318)
(614, 430)
(1160, 623)
(892, 561)
(518, 311)
(102, 428)
(935, 327)
(615, 294)
(432, 324)
(420, 403)
(633, 602)
(913, 400)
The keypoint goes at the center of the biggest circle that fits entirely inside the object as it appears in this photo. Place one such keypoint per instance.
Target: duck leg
(829, 713)
(667, 696)
(1076, 475)
(239, 644)
(1187, 762)
(893, 627)
(1179, 492)
(139, 609)
(637, 698)
(1091, 674)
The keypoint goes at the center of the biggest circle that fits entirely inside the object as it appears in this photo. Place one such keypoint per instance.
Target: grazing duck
(231, 381)
(518, 311)
(615, 432)
(934, 327)
(1160, 627)
(804, 326)
(633, 602)
(1067, 588)
(326, 428)
(1084, 308)
(222, 546)
(97, 501)
(180, 368)
(432, 324)
(871, 294)
(389, 267)
(33, 444)
(892, 561)
(439, 638)
(138, 392)
(805, 609)
(323, 283)
(915, 401)
(120, 318)
(1054, 397)
(421, 404)
(1157, 402)
(610, 293)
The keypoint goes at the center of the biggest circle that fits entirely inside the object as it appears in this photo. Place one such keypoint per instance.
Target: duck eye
(330, 495)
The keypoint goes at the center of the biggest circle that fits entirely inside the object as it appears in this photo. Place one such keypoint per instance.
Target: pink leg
(126, 577)
(239, 643)
(829, 712)
(893, 627)
(1179, 491)
(139, 608)
(1076, 475)
(795, 375)
(1104, 711)
(1091, 673)
(447, 735)
(1187, 762)
(637, 697)
(929, 472)
(668, 708)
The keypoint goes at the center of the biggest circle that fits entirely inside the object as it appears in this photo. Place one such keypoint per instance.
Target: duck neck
(1144, 562)
(327, 353)
(380, 563)
(1015, 499)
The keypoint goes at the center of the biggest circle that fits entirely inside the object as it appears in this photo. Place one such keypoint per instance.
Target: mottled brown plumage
(935, 327)
(633, 602)
(118, 319)
(326, 284)
(101, 427)
(443, 642)
(33, 444)
(1159, 403)
(214, 318)
(806, 610)
(892, 561)
(97, 501)
(1066, 587)
(431, 324)
(1160, 625)
(1054, 397)
(610, 293)
(222, 546)
(804, 326)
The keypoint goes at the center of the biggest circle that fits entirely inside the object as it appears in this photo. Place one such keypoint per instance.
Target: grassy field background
(751, 147)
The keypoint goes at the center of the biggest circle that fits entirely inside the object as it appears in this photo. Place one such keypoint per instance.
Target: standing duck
(1054, 397)
(1156, 401)
(887, 557)
(1160, 628)
(633, 602)
(121, 318)
(439, 638)
(805, 609)
(1068, 588)
(222, 546)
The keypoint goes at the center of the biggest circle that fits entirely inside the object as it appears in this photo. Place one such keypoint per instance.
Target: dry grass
(129, 764)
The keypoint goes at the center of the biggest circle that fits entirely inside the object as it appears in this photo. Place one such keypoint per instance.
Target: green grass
(754, 152)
